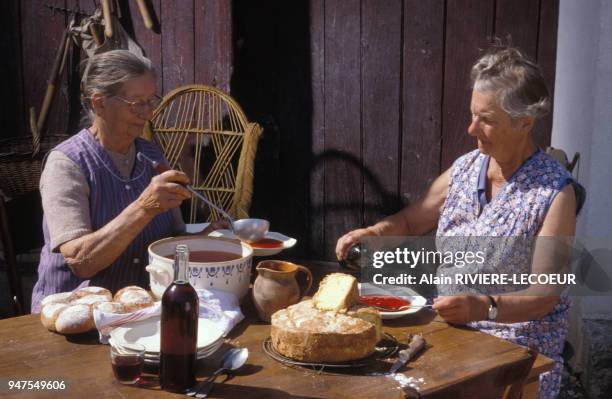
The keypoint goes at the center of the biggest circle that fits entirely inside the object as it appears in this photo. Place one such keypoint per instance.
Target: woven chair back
(204, 133)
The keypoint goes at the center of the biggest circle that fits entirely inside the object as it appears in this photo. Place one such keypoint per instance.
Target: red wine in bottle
(179, 328)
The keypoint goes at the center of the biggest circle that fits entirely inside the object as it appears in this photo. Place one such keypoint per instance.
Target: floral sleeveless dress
(518, 210)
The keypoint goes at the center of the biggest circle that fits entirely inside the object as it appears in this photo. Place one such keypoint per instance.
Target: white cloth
(219, 307)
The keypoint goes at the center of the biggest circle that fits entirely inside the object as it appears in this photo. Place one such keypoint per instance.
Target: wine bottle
(179, 328)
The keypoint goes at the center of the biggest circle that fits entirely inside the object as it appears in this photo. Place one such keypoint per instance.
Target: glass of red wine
(127, 361)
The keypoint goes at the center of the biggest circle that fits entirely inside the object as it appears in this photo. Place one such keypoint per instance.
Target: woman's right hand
(348, 240)
(166, 191)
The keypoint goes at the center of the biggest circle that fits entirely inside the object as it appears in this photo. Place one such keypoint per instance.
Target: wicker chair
(21, 159)
(204, 133)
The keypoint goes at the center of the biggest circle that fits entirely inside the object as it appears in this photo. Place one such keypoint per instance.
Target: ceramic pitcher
(276, 287)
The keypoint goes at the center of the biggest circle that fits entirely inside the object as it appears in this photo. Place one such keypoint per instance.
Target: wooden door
(365, 102)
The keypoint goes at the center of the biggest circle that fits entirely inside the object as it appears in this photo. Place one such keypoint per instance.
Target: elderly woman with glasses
(102, 207)
(507, 191)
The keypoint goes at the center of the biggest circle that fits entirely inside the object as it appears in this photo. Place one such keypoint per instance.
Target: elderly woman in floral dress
(506, 188)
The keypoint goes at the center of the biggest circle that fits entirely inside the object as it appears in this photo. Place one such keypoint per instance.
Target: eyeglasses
(142, 106)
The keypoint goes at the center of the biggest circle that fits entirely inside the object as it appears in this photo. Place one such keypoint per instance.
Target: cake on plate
(330, 327)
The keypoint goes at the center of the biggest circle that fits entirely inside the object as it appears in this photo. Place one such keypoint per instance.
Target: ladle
(246, 229)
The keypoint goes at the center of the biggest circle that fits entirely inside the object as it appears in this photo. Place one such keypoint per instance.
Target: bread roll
(110, 307)
(72, 312)
(91, 300)
(49, 313)
(61, 297)
(75, 319)
(86, 291)
(134, 298)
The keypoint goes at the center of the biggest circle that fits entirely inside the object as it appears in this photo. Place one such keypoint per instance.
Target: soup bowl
(214, 263)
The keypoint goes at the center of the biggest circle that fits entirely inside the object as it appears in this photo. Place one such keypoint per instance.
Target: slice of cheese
(337, 292)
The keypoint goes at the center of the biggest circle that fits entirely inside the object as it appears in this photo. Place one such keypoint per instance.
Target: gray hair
(518, 83)
(106, 73)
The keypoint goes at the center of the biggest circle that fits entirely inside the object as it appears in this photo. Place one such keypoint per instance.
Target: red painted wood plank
(380, 105)
(177, 43)
(316, 229)
(343, 176)
(12, 117)
(423, 57)
(467, 30)
(151, 42)
(547, 59)
(42, 32)
(213, 43)
(519, 19)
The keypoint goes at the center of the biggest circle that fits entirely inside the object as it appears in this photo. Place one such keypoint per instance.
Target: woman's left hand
(462, 309)
(216, 225)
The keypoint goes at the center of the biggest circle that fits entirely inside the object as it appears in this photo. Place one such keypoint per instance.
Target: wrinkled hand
(166, 191)
(216, 225)
(462, 309)
(348, 240)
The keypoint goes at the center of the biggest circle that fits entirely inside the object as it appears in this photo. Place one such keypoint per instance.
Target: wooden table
(30, 352)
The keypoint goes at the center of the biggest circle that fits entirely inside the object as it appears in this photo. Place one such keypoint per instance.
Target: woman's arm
(551, 255)
(93, 252)
(415, 219)
(64, 193)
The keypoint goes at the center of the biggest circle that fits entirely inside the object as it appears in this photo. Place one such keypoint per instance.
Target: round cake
(304, 332)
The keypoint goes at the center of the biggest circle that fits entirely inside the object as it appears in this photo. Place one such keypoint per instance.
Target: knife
(416, 344)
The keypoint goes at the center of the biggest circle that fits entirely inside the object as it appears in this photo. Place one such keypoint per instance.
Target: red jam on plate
(389, 303)
(267, 243)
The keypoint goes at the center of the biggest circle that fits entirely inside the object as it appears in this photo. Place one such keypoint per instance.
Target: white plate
(146, 332)
(416, 301)
(155, 361)
(199, 355)
(200, 351)
(207, 349)
(288, 242)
